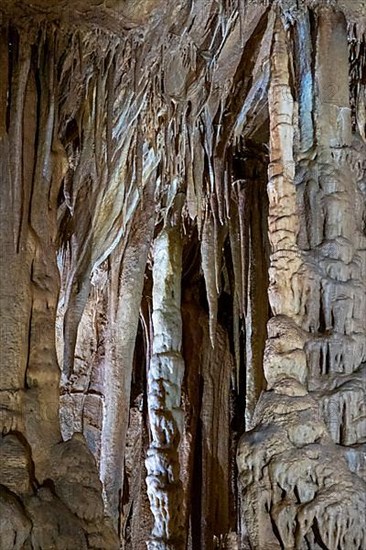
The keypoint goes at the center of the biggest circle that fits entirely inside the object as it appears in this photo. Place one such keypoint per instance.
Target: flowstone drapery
(183, 271)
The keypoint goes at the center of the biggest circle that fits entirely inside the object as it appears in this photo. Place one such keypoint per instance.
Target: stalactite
(165, 378)
(120, 123)
(128, 279)
(101, 177)
(236, 249)
(243, 208)
(18, 86)
(208, 255)
(257, 310)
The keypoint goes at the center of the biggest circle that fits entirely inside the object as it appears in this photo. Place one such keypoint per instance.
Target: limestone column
(287, 460)
(164, 395)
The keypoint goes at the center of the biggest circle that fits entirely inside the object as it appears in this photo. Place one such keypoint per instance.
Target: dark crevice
(196, 504)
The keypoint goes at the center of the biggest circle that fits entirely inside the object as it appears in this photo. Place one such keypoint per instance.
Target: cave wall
(183, 275)
(301, 464)
(50, 489)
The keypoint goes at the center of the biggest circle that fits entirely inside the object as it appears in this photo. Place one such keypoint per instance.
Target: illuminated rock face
(297, 464)
(183, 275)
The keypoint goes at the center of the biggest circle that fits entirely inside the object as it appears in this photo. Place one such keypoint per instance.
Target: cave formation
(183, 274)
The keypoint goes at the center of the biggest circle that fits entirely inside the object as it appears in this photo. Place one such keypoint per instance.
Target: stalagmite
(164, 381)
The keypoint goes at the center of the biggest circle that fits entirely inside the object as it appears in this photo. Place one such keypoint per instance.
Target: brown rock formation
(183, 274)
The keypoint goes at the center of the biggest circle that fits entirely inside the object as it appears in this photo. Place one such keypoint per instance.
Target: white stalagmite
(165, 378)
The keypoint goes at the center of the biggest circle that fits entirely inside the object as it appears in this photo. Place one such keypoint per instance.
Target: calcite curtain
(183, 275)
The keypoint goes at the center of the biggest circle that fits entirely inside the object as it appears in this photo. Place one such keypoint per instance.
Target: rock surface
(183, 274)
